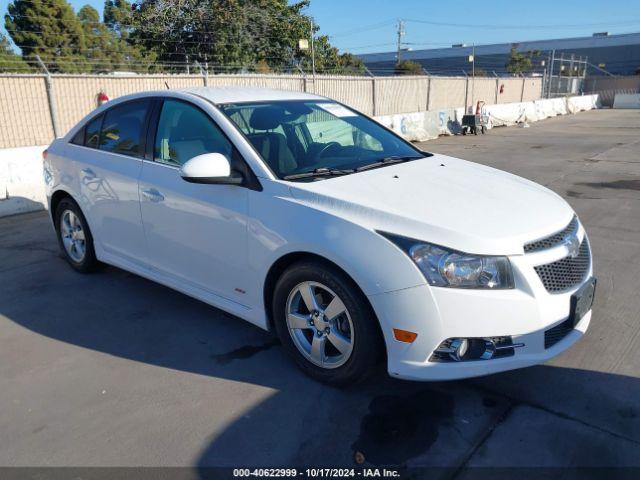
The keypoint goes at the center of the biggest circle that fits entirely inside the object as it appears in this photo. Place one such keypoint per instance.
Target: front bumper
(436, 314)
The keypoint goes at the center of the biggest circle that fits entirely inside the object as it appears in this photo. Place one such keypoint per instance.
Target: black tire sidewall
(89, 263)
(367, 348)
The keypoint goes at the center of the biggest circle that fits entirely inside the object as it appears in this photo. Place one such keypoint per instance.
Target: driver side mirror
(210, 168)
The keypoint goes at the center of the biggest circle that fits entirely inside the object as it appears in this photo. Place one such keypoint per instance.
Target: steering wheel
(326, 148)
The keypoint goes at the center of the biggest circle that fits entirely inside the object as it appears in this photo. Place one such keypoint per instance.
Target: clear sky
(361, 26)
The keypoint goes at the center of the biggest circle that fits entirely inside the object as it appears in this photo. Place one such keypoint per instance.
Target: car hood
(443, 200)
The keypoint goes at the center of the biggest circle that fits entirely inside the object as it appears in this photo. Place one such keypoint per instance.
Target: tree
(329, 60)
(105, 49)
(519, 63)
(263, 67)
(49, 29)
(478, 72)
(408, 67)
(231, 35)
(9, 60)
(118, 17)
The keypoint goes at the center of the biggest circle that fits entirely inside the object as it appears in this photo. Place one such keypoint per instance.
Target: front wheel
(326, 324)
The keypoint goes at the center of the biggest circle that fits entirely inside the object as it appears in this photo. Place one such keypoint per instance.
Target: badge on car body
(573, 244)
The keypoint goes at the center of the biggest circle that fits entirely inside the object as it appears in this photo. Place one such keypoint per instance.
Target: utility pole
(400, 35)
(584, 66)
(553, 59)
(473, 72)
(571, 65)
(560, 73)
(313, 52)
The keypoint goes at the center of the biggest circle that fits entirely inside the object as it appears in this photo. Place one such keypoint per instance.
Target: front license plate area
(582, 300)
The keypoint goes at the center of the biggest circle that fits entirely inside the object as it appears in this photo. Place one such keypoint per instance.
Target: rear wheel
(325, 323)
(74, 236)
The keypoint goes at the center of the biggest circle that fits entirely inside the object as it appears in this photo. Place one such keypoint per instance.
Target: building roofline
(501, 48)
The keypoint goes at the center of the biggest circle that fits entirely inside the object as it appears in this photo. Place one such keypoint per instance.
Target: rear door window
(123, 129)
(92, 137)
(78, 138)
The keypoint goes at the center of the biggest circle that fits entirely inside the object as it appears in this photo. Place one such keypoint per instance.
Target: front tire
(325, 323)
(74, 237)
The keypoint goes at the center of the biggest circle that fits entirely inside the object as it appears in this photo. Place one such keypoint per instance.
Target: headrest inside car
(267, 118)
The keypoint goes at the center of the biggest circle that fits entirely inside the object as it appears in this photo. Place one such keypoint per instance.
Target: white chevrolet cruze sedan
(305, 217)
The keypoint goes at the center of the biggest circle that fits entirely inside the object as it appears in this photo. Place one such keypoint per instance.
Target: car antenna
(166, 84)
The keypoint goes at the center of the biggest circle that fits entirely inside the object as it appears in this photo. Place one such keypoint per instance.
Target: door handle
(88, 173)
(153, 195)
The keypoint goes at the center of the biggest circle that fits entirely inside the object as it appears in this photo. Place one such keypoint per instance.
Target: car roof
(222, 95)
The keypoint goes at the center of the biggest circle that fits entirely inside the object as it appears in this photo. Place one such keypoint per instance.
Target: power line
(365, 28)
(523, 27)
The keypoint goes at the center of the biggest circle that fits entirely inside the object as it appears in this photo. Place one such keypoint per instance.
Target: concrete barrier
(21, 181)
(422, 126)
(626, 100)
(22, 185)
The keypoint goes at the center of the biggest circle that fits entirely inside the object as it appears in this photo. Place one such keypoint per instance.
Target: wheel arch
(56, 198)
(284, 262)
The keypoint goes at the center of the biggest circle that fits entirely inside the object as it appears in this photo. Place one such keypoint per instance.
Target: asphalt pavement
(110, 369)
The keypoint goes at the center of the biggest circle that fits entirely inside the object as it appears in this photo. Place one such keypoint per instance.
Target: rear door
(109, 162)
(196, 233)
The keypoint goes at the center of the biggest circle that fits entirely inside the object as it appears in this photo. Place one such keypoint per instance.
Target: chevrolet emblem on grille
(573, 245)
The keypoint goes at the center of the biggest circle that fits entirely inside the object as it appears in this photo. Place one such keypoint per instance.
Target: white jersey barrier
(21, 180)
(421, 126)
(626, 100)
(22, 184)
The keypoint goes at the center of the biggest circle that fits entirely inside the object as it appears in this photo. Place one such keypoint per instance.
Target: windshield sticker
(336, 110)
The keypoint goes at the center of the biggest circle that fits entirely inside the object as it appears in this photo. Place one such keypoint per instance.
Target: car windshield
(316, 139)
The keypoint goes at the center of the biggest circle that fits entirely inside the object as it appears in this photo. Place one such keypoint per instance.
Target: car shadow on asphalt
(546, 415)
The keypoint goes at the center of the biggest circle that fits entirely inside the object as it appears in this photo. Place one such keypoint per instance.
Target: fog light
(459, 347)
(465, 349)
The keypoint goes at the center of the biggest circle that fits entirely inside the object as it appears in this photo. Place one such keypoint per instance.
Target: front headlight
(443, 267)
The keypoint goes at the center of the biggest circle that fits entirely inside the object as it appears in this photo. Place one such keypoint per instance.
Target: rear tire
(74, 237)
(325, 323)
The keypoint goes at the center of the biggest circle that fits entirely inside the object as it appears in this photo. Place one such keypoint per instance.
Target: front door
(196, 233)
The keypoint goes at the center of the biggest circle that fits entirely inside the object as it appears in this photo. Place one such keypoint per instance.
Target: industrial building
(602, 52)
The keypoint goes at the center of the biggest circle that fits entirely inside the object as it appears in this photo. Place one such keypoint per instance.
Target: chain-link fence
(35, 108)
(608, 87)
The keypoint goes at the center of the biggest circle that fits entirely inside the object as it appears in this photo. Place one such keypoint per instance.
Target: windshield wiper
(387, 161)
(319, 172)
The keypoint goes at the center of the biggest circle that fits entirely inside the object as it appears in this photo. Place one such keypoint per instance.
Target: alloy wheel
(320, 325)
(73, 237)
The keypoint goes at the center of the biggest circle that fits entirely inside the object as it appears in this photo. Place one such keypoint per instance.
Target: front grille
(557, 333)
(552, 240)
(566, 273)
